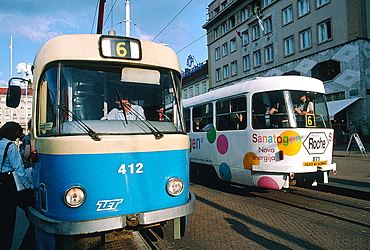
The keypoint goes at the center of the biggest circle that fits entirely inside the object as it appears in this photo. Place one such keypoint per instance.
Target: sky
(31, 23)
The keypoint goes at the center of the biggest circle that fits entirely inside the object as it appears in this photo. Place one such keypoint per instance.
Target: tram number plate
(137, 168)
(315, 163)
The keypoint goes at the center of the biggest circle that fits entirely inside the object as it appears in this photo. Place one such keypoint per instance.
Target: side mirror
(13, 95)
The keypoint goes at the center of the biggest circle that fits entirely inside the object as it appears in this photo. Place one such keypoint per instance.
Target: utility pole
(128, 21)
(100, 17)
(11, 56)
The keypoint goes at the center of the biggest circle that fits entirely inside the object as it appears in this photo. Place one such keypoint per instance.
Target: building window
(217, 53)
(204, 87)
(267, 24)
(216, 33)
(269, 53)
(255, 32)
(185, 94)
(197, 90)
(289, 46)
(303, 7)
(305, 39)
(245, 37)
(246, 62)
(232, 22)
(324, 31)
(322, 2)
(257, 58)
(191, 92)
(335, 96)
(226, 71)
(326, 71)
(287, 15)
(245, 14)
(266, 2)
(218, 74)
(223, 28)
(225, 49)
(234, 68)
(216, 10)
(223, 4)
(233, 45)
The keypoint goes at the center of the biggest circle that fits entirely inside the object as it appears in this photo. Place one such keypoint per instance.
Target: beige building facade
(325, 39)
(21, 114)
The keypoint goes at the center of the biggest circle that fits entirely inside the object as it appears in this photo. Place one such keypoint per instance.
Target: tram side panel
(265, 158)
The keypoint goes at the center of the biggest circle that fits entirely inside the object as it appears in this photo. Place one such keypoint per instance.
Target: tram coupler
(132, 220)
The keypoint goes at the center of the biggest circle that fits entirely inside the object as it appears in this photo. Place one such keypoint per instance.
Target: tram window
(187, 119)
(202, 118)
(260, 107)
(47, 99)
(278, 109)
(87, 95)
(231, 114)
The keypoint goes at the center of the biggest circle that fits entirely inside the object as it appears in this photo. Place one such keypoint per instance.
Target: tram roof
(86, 47)
(260, 84)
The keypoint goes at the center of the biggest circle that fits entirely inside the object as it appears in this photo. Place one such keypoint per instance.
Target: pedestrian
(26, 149)
(12, 173)
(351, 130)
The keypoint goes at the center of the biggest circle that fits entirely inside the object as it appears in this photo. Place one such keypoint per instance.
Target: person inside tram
(305, 107)
(132, 111)
(279, 117)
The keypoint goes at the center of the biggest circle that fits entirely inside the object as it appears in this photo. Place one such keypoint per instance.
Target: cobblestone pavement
(230, 221)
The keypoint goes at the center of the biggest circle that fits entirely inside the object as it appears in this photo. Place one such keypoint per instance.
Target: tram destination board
(120, 47)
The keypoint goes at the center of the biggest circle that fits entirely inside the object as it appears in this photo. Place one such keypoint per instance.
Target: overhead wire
(96, 10)
(196, 40)
(111, 9)
(172, 20)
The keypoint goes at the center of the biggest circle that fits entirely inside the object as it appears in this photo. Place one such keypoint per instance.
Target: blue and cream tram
(94, 174)
(252, 133)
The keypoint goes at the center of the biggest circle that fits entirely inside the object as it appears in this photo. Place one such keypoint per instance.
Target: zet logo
(106, 205)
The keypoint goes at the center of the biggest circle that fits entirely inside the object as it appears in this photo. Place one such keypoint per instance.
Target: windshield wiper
(83, 125)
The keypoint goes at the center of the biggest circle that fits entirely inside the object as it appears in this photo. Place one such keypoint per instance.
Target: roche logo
(316, 143)
(107, 205)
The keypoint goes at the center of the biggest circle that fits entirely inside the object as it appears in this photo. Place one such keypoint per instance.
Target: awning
(337, 106)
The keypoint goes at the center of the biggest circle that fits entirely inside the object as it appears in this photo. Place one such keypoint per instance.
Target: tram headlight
(175, 186)
(75, 196)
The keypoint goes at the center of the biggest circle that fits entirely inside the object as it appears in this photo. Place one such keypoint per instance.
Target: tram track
(330, 209)
(339, 209)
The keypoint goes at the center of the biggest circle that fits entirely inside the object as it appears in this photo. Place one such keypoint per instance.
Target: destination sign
(120, 47)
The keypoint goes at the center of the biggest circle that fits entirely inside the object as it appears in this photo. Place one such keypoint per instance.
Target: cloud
(3, 83)
(39, 28)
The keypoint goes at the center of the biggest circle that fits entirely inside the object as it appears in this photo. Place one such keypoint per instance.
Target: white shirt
(116, 114)
(309, 107)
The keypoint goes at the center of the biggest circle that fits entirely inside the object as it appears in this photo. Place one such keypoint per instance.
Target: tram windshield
(107, 99)
(289, 109)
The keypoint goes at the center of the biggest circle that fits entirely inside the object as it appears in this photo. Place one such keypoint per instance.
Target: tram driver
(132, 111)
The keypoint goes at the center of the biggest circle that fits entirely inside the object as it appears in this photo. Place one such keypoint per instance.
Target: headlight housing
(75, 196)
(175, 186)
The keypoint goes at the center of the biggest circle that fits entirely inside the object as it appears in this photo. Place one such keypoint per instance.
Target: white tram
(252, 133)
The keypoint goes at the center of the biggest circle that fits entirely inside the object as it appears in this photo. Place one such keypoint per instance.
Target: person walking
(11, 168)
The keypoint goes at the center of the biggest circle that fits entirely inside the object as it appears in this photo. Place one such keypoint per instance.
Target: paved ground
(353, 172)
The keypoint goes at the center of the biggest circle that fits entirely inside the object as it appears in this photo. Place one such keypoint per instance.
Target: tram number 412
(131, 168)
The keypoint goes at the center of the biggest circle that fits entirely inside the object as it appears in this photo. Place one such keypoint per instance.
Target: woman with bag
(11, 168)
